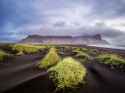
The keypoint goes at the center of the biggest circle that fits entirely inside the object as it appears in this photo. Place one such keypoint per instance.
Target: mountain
(85, 40)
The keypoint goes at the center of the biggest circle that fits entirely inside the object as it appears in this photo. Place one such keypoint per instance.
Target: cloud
(20, 18)
(108, 9)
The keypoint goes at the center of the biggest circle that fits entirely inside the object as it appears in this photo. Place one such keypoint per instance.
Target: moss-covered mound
(77, 49)
(50, 59)
(84, 57)
(26, 49)
(68, 74)
(3, 56)
(94, 52)
(111, 59)
(81, 54)
(6, 47)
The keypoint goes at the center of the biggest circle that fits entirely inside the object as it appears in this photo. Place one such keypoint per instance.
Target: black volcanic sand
(100, 79)
(20, 75)
(19, 69)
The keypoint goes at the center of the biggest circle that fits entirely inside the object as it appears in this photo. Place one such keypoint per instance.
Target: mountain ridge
(84, 39)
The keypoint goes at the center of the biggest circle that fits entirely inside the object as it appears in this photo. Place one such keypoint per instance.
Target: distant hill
(88, 39)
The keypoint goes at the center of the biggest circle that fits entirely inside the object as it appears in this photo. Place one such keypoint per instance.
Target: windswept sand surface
(100, 79)
(19, 70)
(20, 75)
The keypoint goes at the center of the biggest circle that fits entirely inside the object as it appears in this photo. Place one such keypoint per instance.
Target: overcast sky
(19, 18)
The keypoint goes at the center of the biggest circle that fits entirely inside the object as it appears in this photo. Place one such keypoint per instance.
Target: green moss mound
(68, 74)
(111, 59)
(26, 49)
(3, 56)
(94, 52)
(81, 54)
(50, 59)
(77, 49)
(6, 47)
